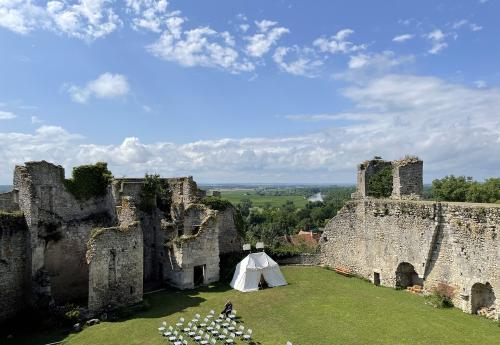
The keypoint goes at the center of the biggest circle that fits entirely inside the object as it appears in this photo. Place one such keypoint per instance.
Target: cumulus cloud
(338, 43)
(107, 85)
(305, 61)
(454, 128)
(201, 46)
(268, 35)
(7, 115)
(148, 14)
(83, 19)
(402, 38)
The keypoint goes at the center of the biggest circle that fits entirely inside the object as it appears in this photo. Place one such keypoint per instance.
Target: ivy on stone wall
(155, 193)
(216, 203)
(89, 181)
(380, 184)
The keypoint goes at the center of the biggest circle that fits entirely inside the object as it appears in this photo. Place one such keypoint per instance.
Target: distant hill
(5, 188)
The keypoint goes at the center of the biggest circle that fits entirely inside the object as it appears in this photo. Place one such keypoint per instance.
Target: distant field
(235, 197)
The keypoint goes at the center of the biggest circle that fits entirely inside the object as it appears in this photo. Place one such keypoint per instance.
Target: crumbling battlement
(407, 177)
(99, 243)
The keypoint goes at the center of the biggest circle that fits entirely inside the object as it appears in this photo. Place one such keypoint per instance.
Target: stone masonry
(104, 250)
(397, 242)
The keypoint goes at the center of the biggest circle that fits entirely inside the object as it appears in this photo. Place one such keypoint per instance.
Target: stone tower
(407, 178)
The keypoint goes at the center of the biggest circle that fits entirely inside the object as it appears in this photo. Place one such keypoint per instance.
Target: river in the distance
(316, 197)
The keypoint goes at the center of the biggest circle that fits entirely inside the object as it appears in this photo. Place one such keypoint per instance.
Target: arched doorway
(482, 296)
(406, 276)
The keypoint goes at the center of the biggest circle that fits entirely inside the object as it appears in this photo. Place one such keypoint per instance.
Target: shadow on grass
(29, 329)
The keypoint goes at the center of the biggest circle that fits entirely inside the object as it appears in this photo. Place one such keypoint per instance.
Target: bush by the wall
(216, 203)
(380, 185)
(154, 194)
(89, 181)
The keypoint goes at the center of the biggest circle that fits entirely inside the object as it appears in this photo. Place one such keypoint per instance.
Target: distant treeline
(465, 189)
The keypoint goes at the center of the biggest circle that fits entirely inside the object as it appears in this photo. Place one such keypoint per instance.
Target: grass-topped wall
(12, 220)
(89, 181)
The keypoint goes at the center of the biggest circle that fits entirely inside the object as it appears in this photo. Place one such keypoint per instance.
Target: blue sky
(250, 91)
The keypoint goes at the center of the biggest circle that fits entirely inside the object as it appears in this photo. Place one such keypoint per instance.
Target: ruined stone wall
(407, 175)
(366, 171)
(302, 259)
(115, 259)
(59, 224)
(451, 243)
(14, 264)
(230, 240)
(8, 202)
(188, 251)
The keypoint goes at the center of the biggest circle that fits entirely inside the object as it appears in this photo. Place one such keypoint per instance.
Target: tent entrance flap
(254, 268)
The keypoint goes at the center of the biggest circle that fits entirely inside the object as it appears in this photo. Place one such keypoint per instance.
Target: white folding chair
(198, 337)
(232, 316)
(179, 340)
(169, 332)
(232, 327)
(231, 339)
(213, 341)
(211, 314)
(206, 340)
(173, 337)
(226, 323)
(193, 331)
(240, 331)
(180, 323)
(188, 328)
(204, 323)
(248, 335)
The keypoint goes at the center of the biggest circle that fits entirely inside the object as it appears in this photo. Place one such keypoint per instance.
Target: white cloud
(306, 62)
(148, 14)
(453, 128)
(363, 66)
(260, 43)
(244, 27)
(402, 38)
(436, 37)
(36, 120)
(83, 19)
(7, 115)
(475, 27)
(107, 85)
(338, 43)
(201, 46)
(459, 24)
(480, 84)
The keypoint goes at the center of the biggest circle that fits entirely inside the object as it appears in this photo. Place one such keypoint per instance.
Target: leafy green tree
(452, 188)
(380, 185)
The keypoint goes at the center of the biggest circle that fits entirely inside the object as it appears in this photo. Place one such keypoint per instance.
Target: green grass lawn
(235, 196)
(317, 307)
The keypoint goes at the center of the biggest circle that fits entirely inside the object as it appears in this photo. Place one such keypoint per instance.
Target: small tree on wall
(380, 185)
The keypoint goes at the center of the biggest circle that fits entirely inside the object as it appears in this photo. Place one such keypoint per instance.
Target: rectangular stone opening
(199, 275)
(376, 278)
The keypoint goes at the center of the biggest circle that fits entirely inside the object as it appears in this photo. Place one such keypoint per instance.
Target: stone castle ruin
(402, 241)
(105, 250)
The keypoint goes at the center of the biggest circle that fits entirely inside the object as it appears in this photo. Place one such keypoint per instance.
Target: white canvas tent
(249, 271)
